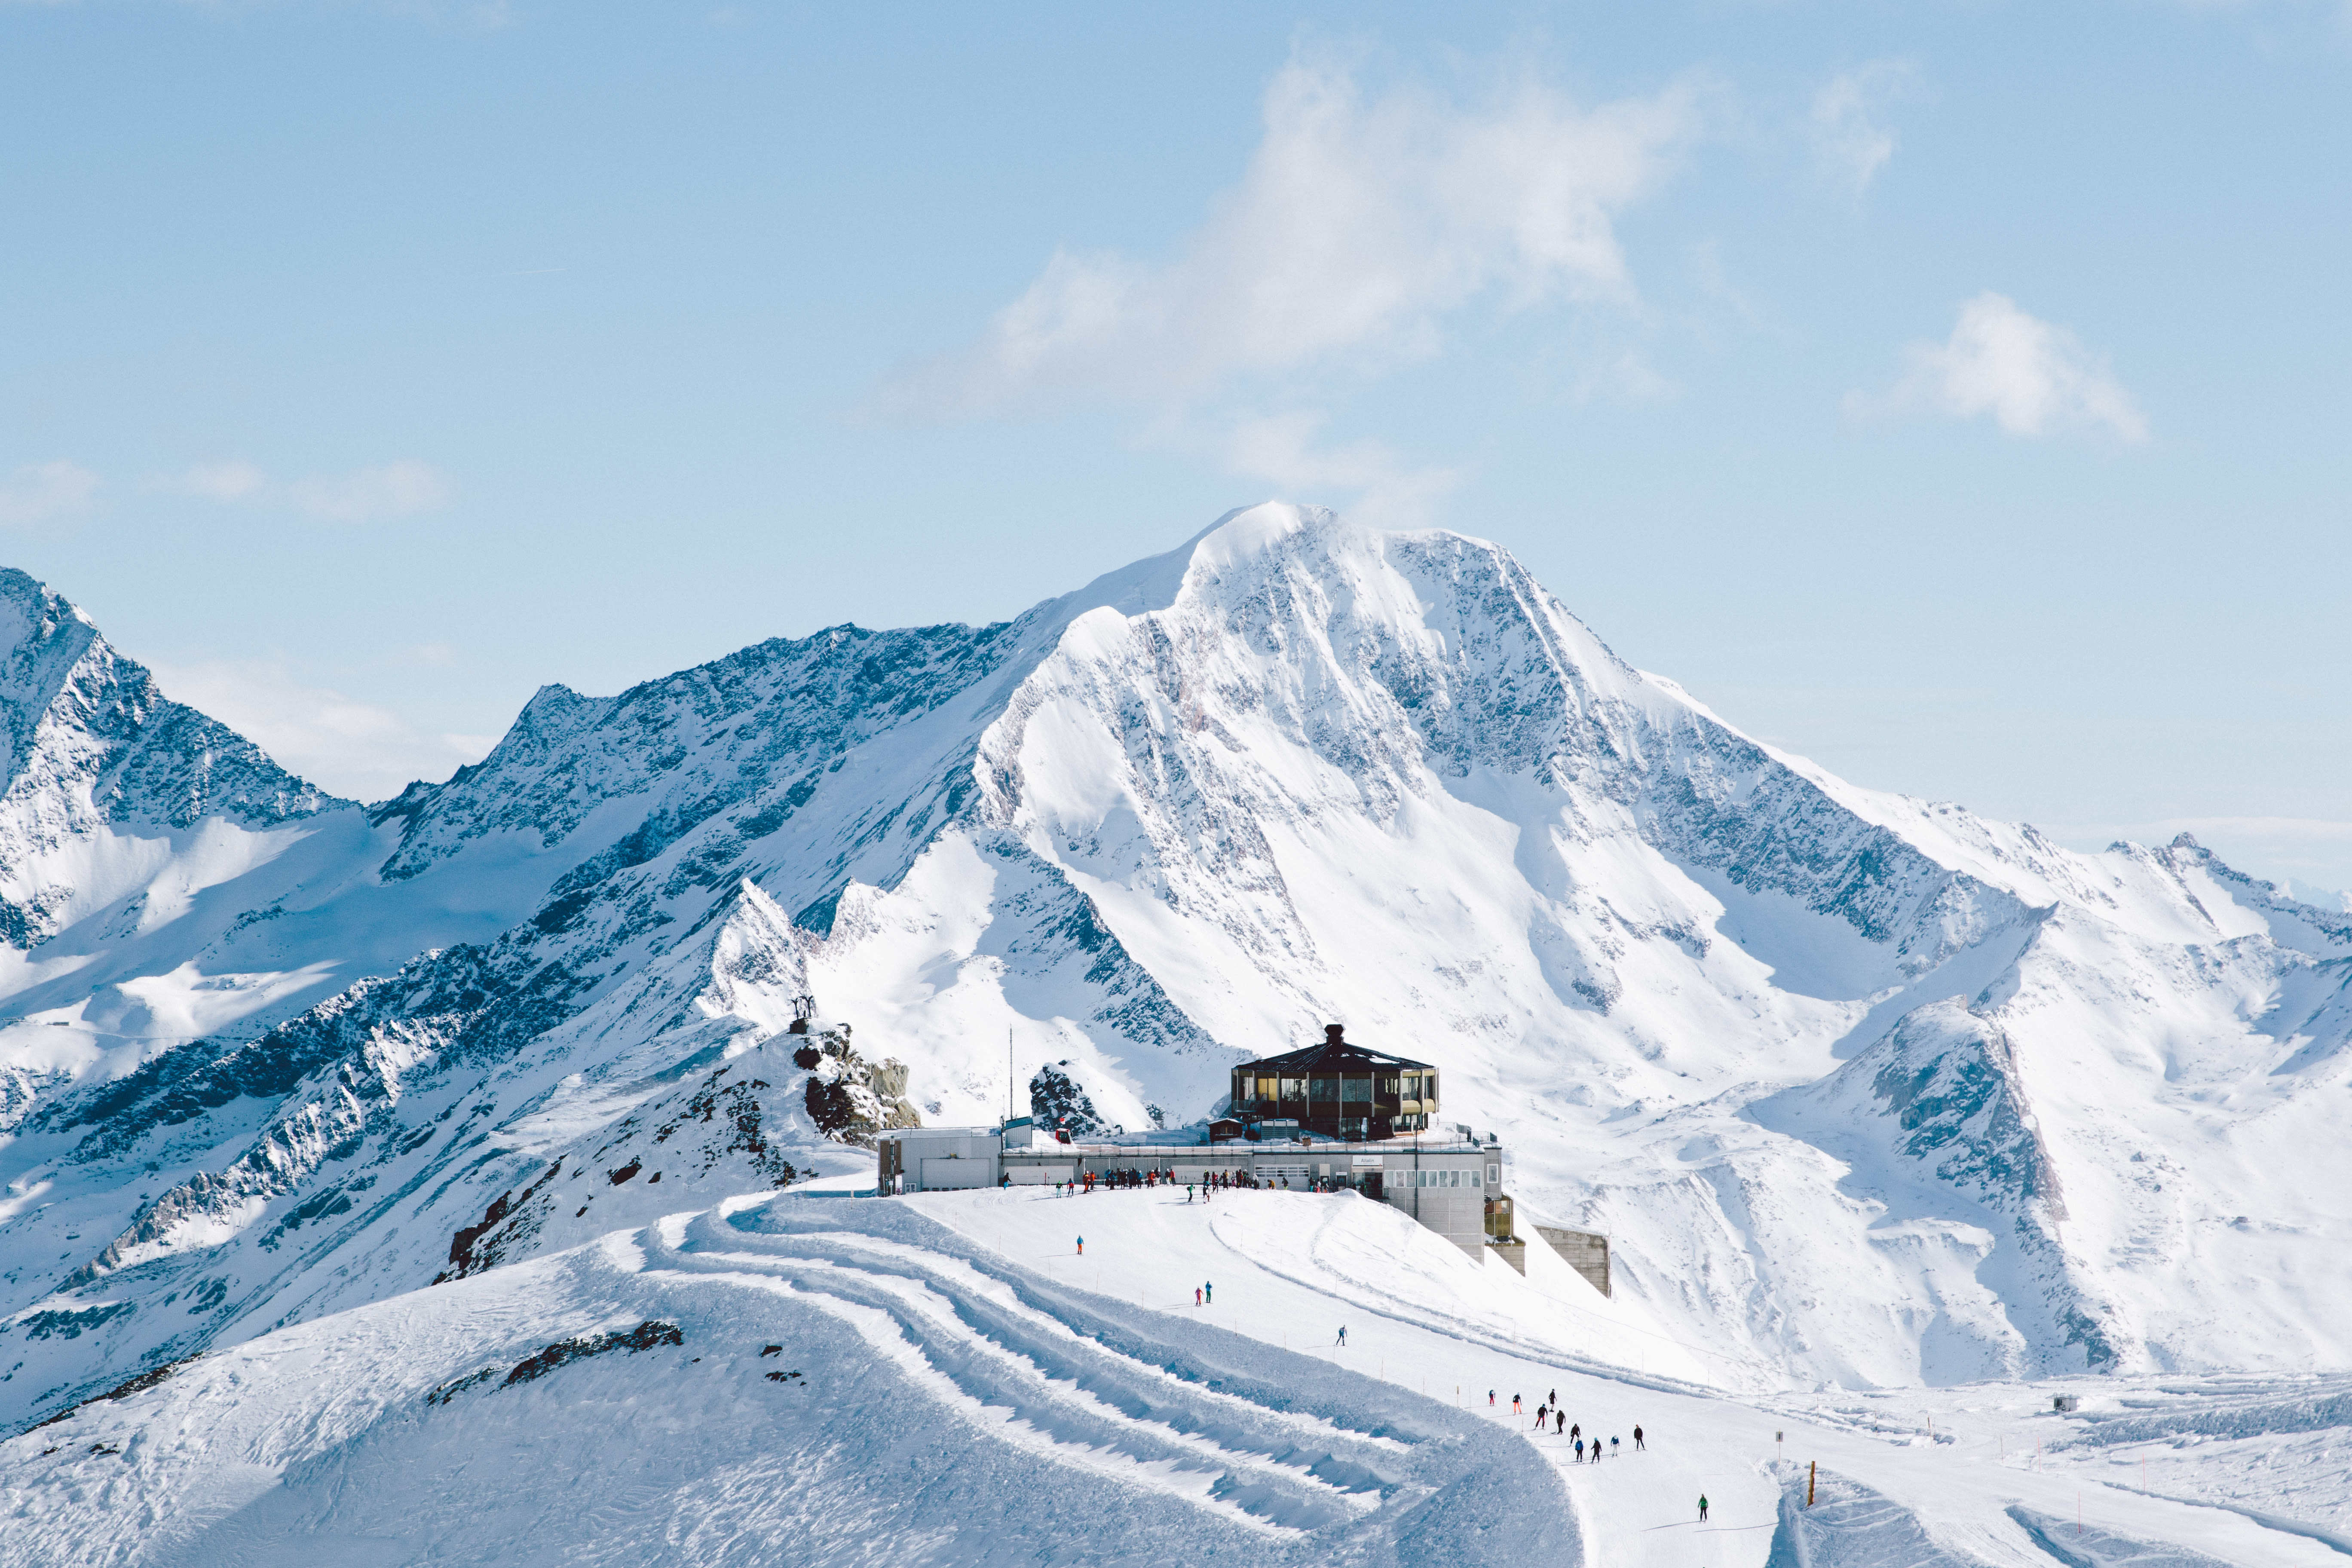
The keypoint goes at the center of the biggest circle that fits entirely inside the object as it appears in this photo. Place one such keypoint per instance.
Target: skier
(1196, 1295)
(1637, 1439)
(1612, 1447)
(1543, 1416)
(1209, 1293)
(1552, 1398)
(1702, 1508)
(1082, 1246)
(1515, 1405)
(1577, 1430)
(1580, 1450)
(1490, 1399)
(1561, 1416)
(1342, 1341)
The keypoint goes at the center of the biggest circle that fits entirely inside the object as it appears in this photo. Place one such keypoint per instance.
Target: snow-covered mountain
(1867, 1090)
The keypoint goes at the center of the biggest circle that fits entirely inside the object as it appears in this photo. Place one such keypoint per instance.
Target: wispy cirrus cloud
(1362, 222)
(1850, 126)
(1286, 450)
(1362, 226)
(363, 495)
(351, 748)
(40, 492)
(2032, 378)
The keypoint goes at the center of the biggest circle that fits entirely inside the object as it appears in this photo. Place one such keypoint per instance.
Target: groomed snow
(953, 1381)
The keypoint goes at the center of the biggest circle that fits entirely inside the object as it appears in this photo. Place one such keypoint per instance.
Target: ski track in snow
(1432, 1338)
(985, 1395)
(1153, 1442)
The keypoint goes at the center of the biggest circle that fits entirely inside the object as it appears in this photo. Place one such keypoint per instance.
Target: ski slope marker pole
(1811, 1471)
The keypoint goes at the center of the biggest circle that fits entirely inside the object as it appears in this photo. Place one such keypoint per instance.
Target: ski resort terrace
(1451, 1184)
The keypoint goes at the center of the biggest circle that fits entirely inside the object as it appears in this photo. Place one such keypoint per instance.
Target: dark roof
(1334, 1055)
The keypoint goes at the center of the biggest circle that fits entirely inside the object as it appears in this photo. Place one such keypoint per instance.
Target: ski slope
(947, 1379)
(1291, 1269)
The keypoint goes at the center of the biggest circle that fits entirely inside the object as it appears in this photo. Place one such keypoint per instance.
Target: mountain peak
(92, 742)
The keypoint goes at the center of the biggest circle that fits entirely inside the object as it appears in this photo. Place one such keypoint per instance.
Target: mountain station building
(1333, 1115)
(1446, 1181)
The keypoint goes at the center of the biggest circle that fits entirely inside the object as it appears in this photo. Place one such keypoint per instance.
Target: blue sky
(1955, 394)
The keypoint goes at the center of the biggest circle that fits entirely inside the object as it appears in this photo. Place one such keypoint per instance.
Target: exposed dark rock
(645, 1336)
(1057, 1100)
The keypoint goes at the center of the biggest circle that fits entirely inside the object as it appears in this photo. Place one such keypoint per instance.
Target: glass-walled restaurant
(1338, 1089)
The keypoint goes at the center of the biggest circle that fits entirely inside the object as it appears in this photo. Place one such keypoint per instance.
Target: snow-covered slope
(946, 1379)
(1867, 1090)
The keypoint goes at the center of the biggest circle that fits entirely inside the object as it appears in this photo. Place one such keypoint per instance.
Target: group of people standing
(1588, 1449)
(1088, 1180)
(1213, 1182)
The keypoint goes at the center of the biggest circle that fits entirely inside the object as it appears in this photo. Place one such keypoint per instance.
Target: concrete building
(1586, 1253)
(1443, 1181)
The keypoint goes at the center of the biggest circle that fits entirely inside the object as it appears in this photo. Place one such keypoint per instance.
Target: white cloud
(1358, 225)
(1628, 378)
(1852, 140)
(1281, 449)
(364, 495)
(221, 481)
(394, 489)
(350, 748)
(2033, 378)
(40, 492)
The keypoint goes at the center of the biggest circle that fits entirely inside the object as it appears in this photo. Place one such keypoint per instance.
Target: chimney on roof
(1331, 1033)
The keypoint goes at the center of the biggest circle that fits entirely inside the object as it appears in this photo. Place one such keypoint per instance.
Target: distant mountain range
(1865, 1089)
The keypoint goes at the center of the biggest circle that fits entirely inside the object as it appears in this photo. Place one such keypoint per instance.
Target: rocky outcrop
(1059, 1101)
(849, 1099)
